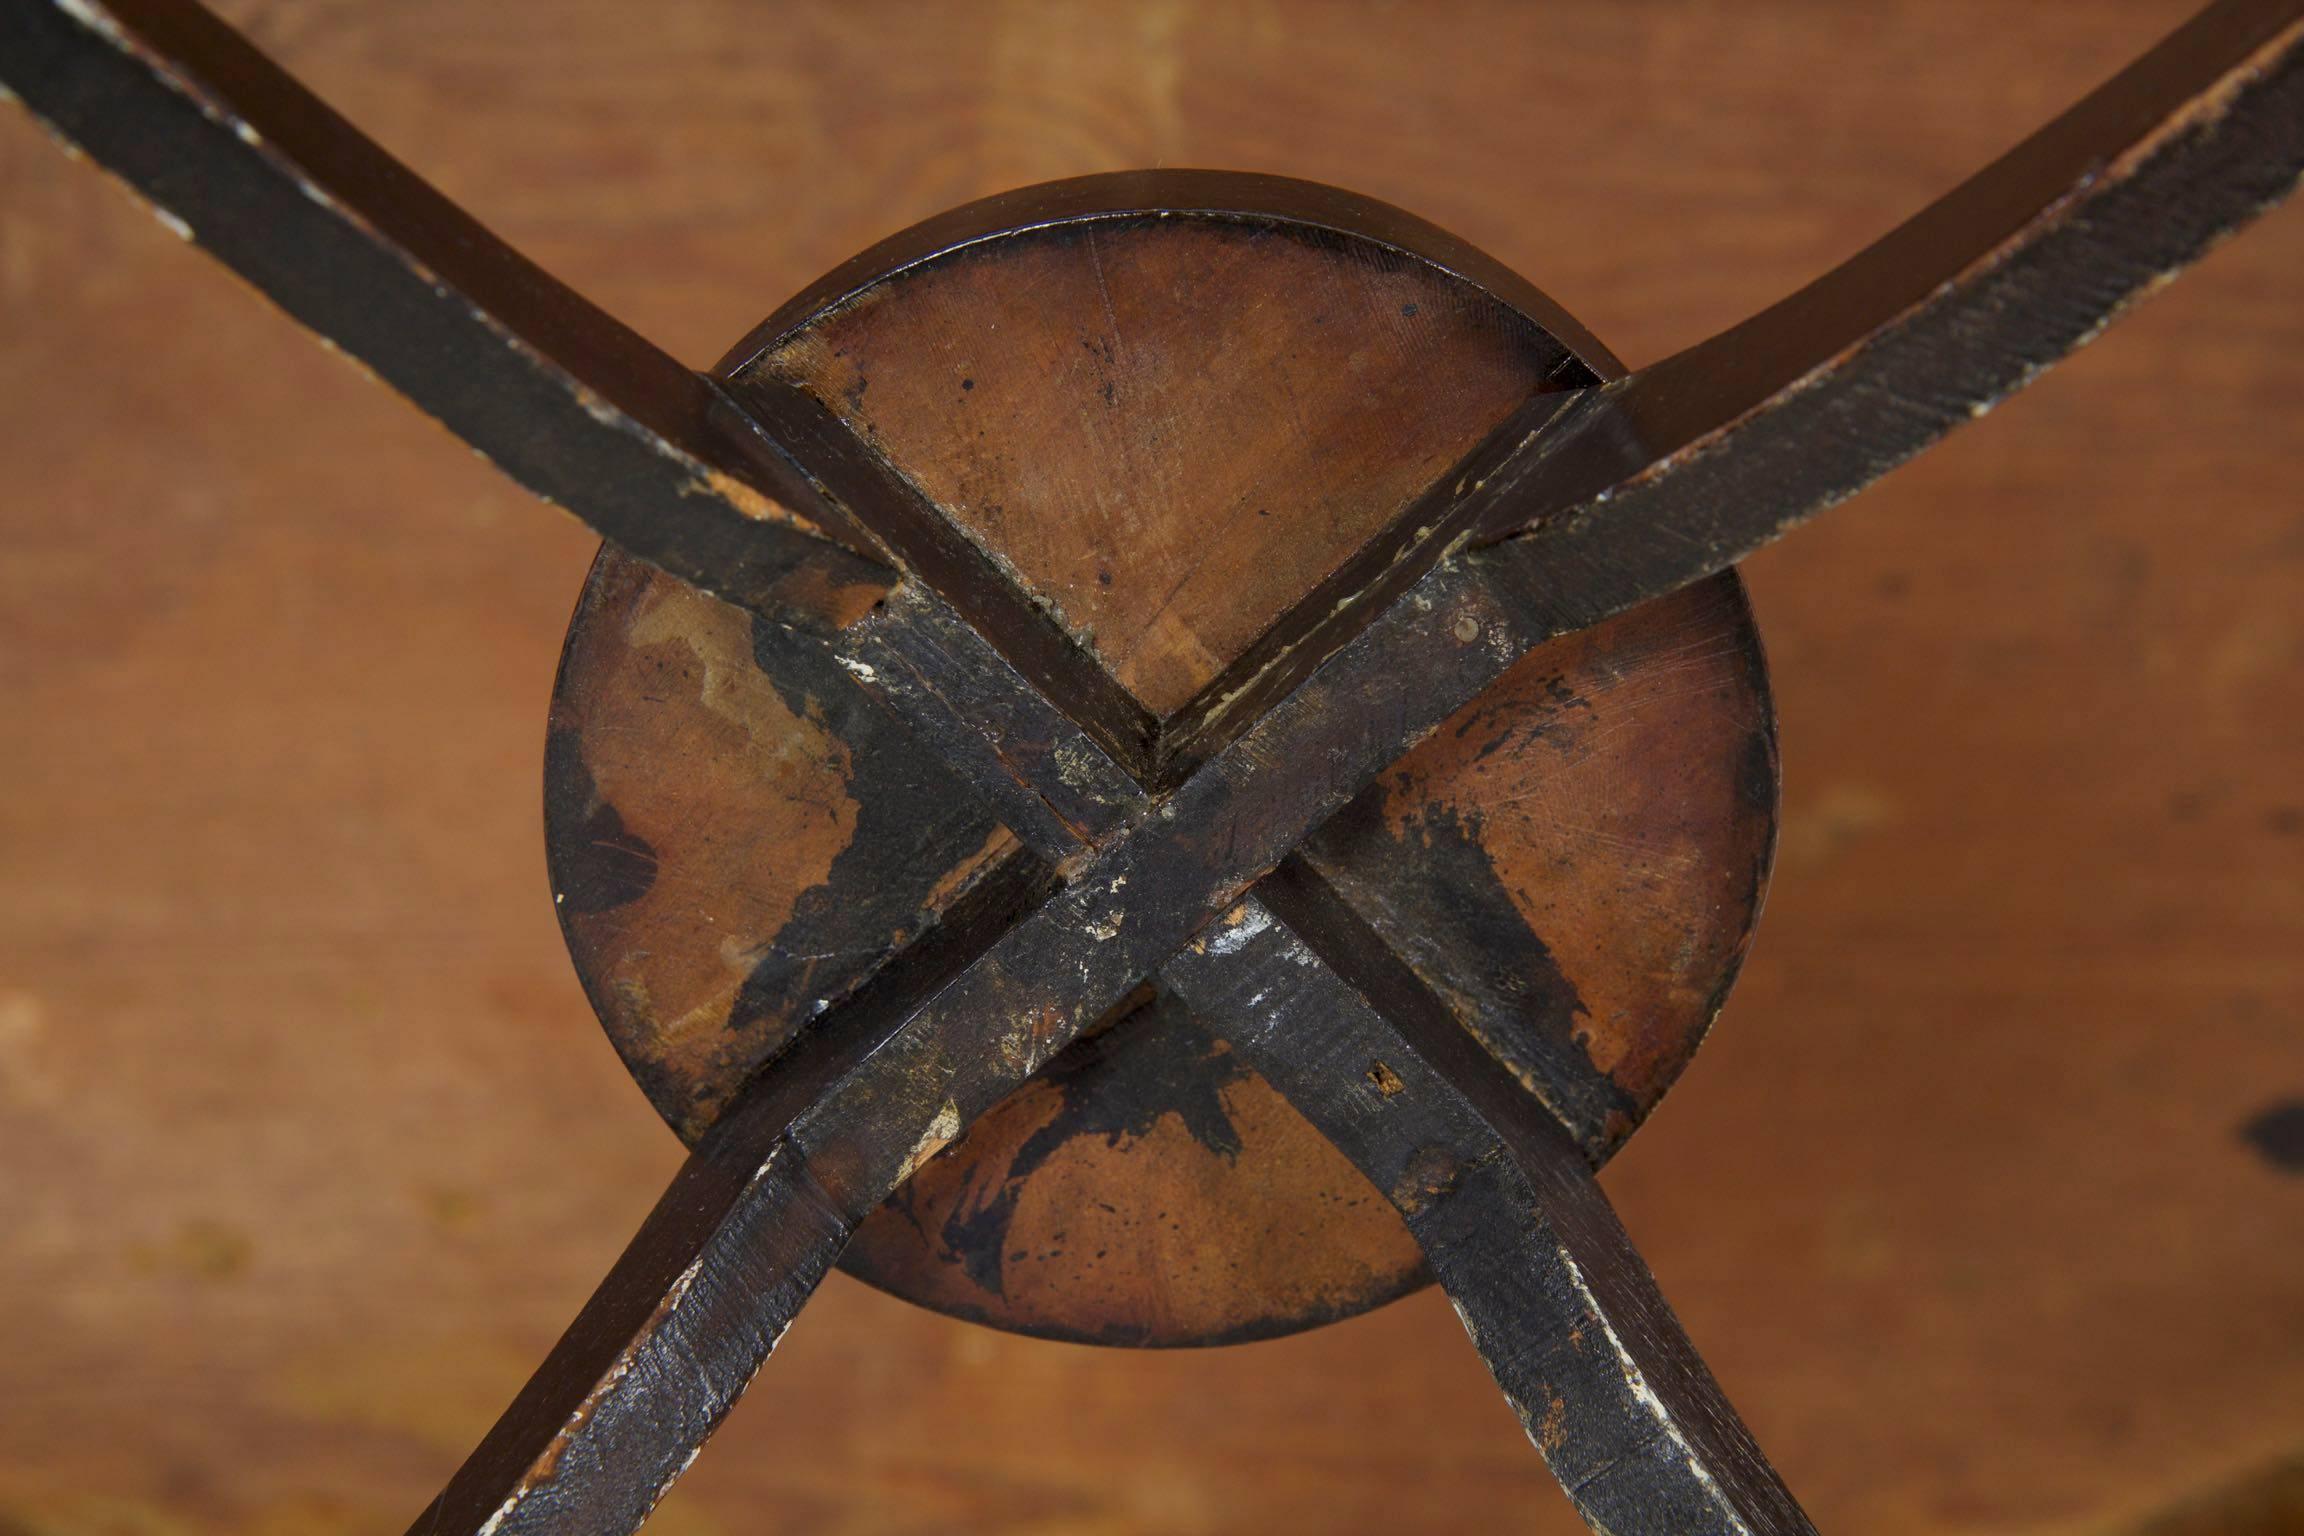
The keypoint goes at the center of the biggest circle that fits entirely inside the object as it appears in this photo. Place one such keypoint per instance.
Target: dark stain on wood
(2265, 1501)
(756, 776)
(1575, 861)
(2276, 1134)
(1195, 1071)
(1291, 433)
(604, 864)
(1220, 411)
(1544, 1277)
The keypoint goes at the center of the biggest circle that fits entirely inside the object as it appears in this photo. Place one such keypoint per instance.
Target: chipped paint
(1079, 764)
(747, 499)
(939, 1133)
(1238, 929)
(1551, 1432)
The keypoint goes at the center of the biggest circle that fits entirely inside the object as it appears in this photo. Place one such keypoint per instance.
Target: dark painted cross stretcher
(1147, 713)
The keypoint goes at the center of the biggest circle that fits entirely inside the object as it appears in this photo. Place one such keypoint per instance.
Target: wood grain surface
(1188, 422)
(1224, 412)
(1986, 1201)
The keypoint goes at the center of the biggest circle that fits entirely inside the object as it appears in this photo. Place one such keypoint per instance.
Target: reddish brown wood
(1170, 432)
(1848, 816)
(1577, 859)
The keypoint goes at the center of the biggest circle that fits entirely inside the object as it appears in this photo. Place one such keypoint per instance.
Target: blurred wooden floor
(309, 1145)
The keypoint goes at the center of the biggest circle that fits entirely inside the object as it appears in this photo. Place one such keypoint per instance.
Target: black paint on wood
(749, 1226)
(573, 405)
(2276, 1134)
(1547, 1282)
(964, 588)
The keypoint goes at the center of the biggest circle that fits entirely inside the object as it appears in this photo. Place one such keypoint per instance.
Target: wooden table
(312, 1144)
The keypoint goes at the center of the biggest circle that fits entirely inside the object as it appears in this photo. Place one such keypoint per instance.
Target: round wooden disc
(1168, 406)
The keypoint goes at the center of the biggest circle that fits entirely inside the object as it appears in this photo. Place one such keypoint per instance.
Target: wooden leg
(1554, 1295)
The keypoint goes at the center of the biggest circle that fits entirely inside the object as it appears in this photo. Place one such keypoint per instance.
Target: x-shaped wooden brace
(1176, 862)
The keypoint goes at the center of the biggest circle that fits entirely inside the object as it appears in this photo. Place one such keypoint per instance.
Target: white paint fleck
(171, 223)
(1471, 1329)
(316, 193)
(1076, 764)
(94, 17)
(1235, 935)
(858, 670)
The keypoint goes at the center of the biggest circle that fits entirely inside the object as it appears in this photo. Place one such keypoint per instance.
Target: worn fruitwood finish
(1426, 634)
(698, 806)
(1152, 1191)
(1228, 791)
(1579, 857)
(1172, 429)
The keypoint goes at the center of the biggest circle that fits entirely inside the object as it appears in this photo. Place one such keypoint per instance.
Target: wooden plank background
(309, 1146)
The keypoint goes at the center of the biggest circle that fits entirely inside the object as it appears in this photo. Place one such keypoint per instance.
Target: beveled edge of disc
(1245, 196)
